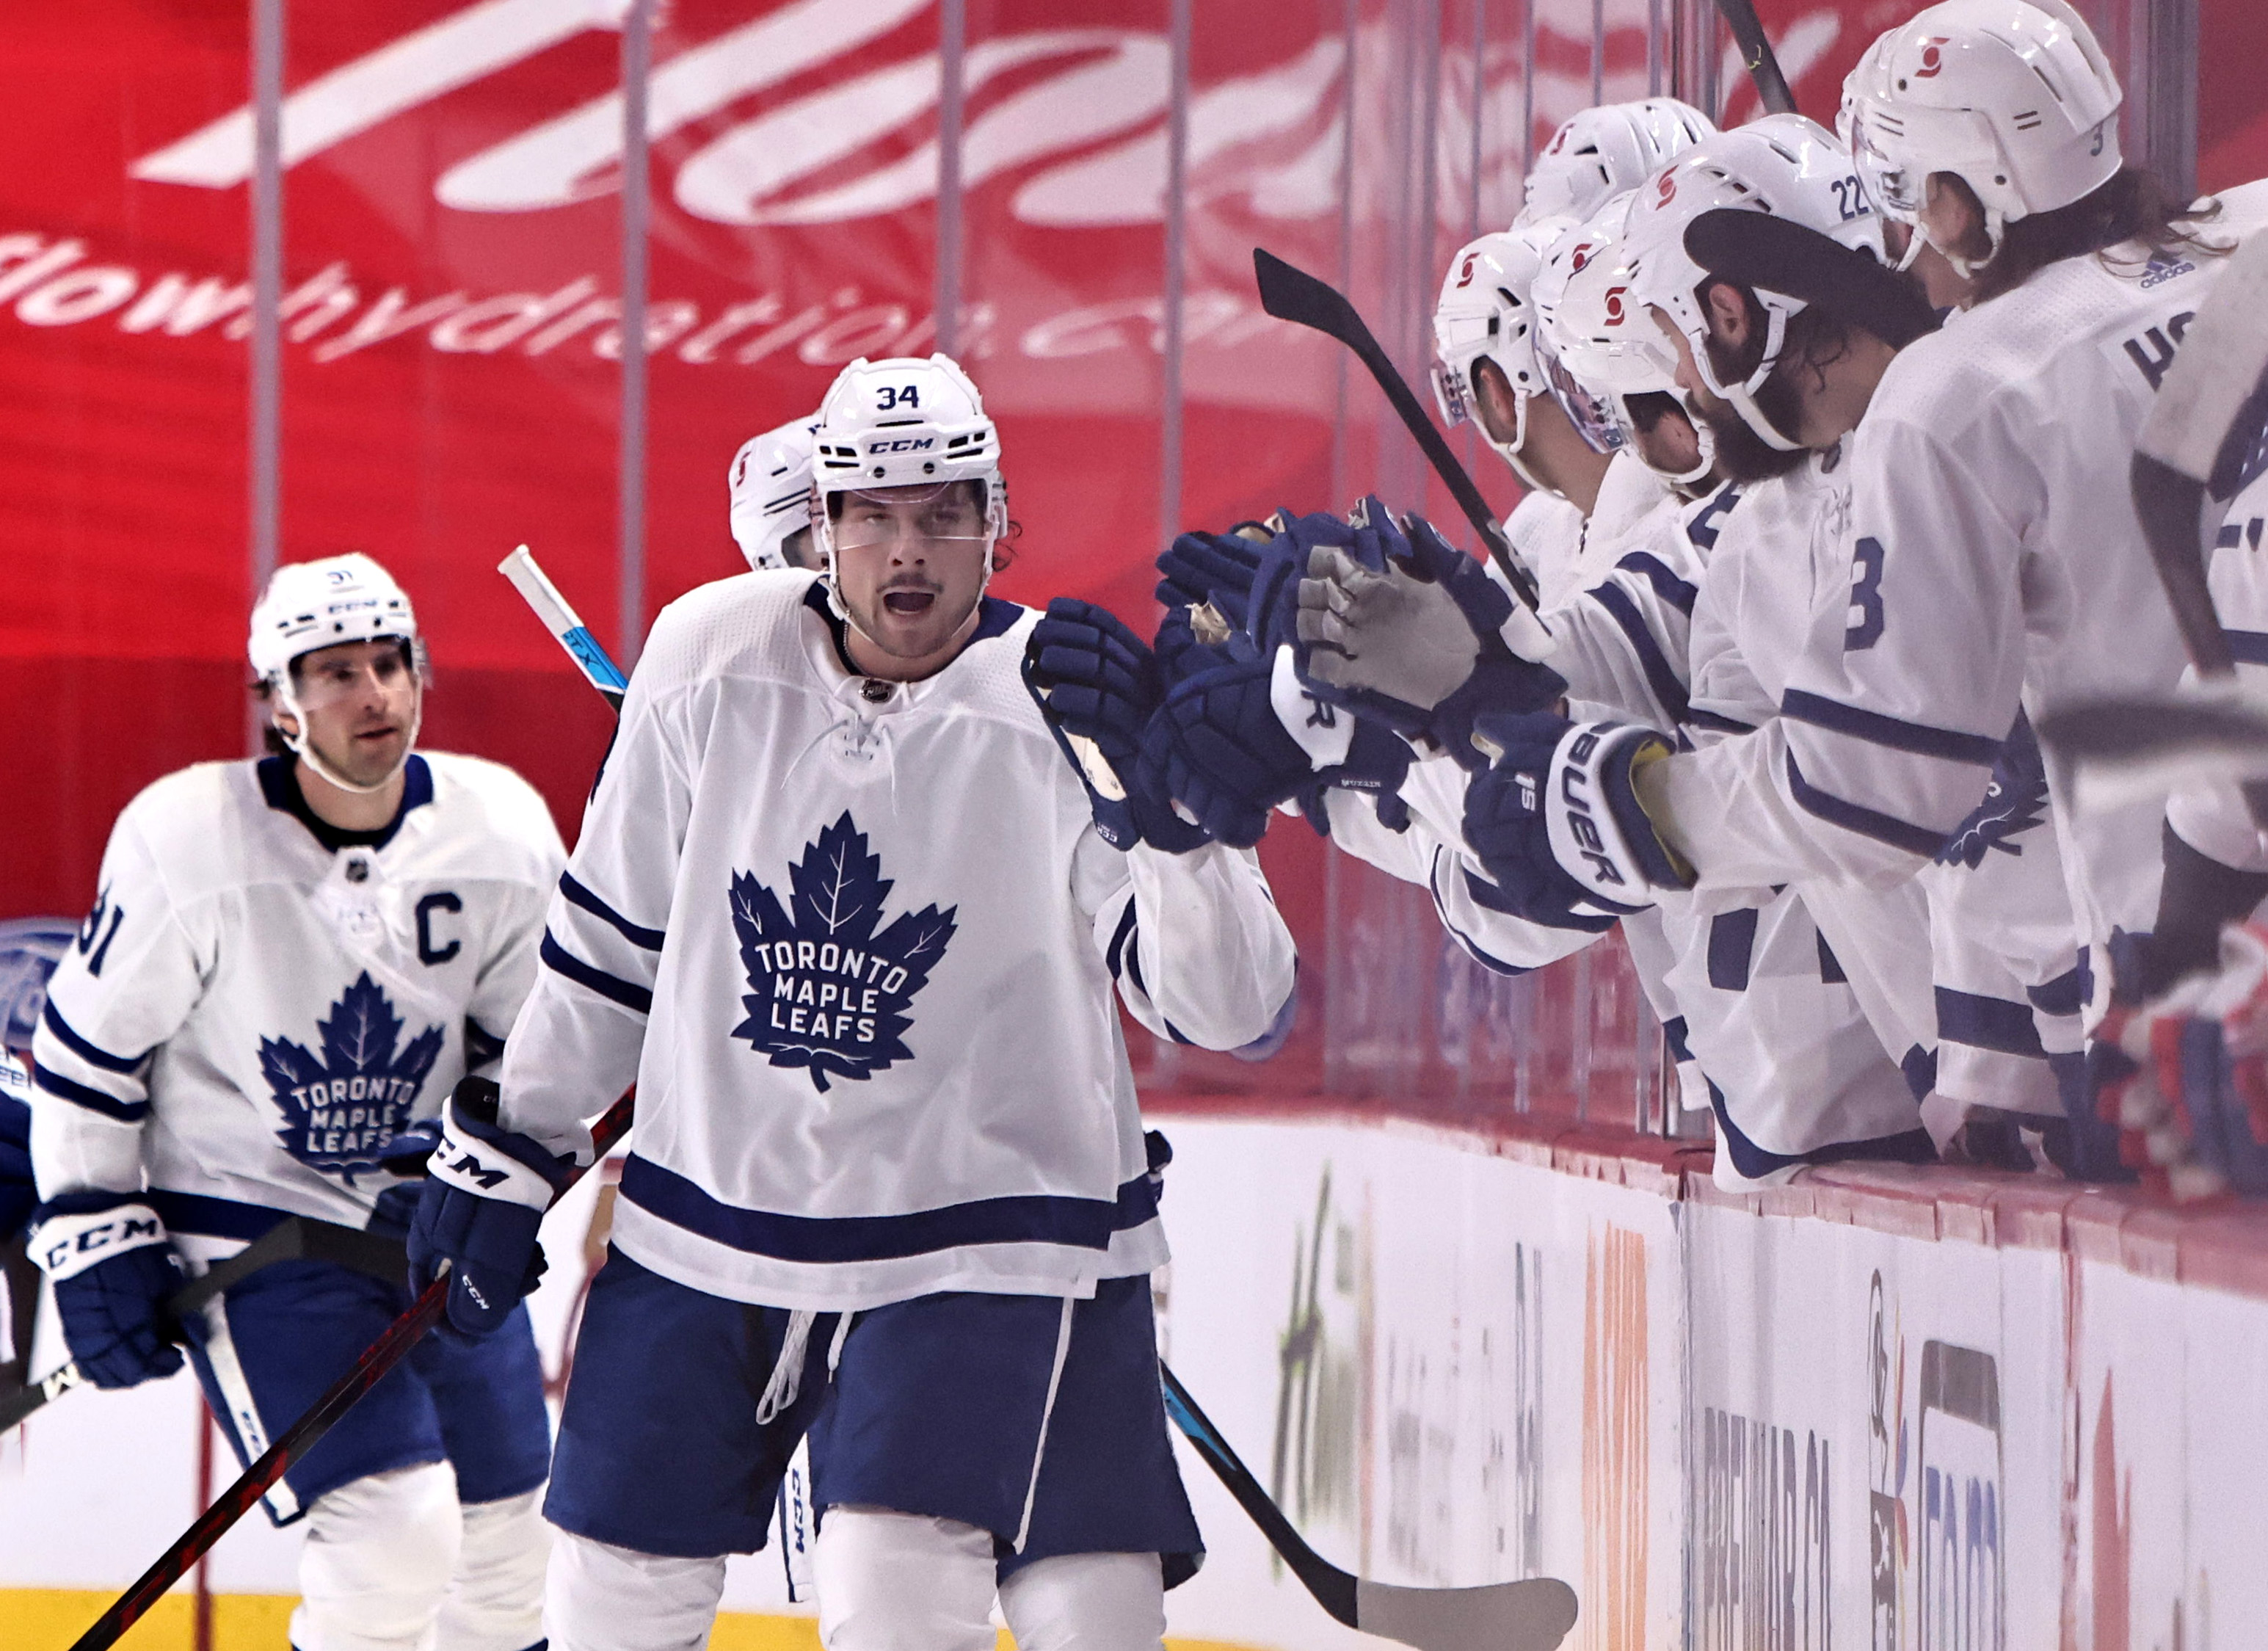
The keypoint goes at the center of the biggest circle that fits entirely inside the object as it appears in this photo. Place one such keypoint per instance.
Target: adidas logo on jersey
(825, 991)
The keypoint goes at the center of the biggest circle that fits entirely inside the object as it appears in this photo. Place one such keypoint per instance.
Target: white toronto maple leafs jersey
(258, 1003)
(1995, 562)
(856, 941)
(2214, 819)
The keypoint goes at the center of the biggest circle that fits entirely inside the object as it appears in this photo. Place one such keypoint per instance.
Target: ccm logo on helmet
(1465, 269)
(1582, 256)
(1932, 59)
(1664, 189)
(1580, 825)
(1615, 306)
(904, 444)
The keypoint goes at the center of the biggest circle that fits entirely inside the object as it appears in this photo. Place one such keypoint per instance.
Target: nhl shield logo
(340, 1106)
(825, 991)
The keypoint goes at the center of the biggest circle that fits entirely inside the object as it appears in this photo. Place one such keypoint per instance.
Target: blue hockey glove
(1212, 568)
(485, 1193)
(17, 1198)
(112, 1267)
(1224, 747)
(1098, 686)
(408, 1152)
(1423, 641)
(1556, 824)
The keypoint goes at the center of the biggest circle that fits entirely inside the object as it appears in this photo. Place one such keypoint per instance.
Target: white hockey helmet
(1601, 152)
(320, 604)
(2013, 97)
(903, 422)
(1602, 335)
(1785, 165)
(1486, 311)
(771, 481)
(1575, 255)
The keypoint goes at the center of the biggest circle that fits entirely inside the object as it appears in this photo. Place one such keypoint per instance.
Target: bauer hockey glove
(1231, 743)
(112, 1267)
(486, 1191)
(1557, 824)
(1426, 642)
(1098, 685)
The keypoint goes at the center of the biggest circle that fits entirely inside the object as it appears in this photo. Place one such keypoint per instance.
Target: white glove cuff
(485, 1168)
(1324, 730)
(65, 1246)
(1586, 838)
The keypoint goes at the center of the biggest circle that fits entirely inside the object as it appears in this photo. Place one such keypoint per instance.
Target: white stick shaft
(564, 622)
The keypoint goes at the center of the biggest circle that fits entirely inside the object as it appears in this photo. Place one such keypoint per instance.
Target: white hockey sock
(891, 1581)
(599, 1597)
(495, 1598)
(1087, 1602)
(376, 1563)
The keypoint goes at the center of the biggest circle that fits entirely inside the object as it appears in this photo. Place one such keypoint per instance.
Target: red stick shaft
(236, 1501)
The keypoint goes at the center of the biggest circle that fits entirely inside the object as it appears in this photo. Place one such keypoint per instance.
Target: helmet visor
(1592, 415)
(945, 513)
(1449, 392)
(1895, 189)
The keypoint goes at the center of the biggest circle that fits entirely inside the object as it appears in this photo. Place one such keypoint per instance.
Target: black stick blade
(1291, 294)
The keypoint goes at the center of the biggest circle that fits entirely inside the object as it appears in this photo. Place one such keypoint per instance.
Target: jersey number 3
(1864, 628)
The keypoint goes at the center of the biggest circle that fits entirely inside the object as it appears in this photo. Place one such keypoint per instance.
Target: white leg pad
(1087, 1602)
(376, 1563)
(599, 1597)
(891, 1581)
(496, 1599)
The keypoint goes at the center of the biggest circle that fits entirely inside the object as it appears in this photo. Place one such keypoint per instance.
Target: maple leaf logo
(826, 992)
(2014, 802)
(341, 1107)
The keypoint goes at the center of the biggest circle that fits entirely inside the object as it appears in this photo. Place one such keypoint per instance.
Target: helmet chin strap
(1509, 451)
(302, 748)
(1996, 228)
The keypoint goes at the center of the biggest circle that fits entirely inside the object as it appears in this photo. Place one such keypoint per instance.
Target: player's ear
(1728, 316)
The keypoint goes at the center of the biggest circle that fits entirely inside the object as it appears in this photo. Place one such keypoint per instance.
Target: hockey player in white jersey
(1800, 1075)
(850, 905)
(770, 490)
(1996, 559)
(289, 963)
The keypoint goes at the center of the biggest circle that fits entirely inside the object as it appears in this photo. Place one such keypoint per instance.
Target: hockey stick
(566, 627)
(256, 1481)
(1533, 1615)
(1291, 294)
(2182, 450)
(1757, 55)
(294, 1238)
(2127, 750)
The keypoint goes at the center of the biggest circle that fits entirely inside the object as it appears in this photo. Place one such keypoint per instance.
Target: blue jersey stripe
(88, 1052)
(2249, 647)
(578, 895)
(1982, 1022)
(556, 958)
(1732, 948)
(1700, 718)
(1658, 676)
(1893, 731)
(1666, 584)
(1866, 822)
(2066, 994)
(1026, 1219)
(94, 1100)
